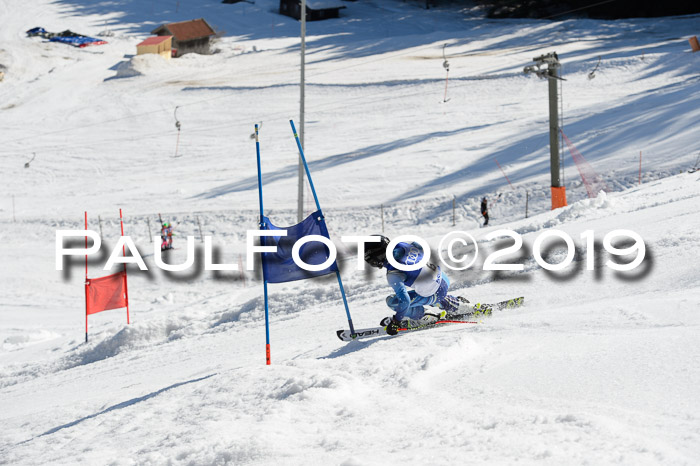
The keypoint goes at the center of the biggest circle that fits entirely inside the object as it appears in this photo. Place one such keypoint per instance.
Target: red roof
(187, 30)
(154, 40)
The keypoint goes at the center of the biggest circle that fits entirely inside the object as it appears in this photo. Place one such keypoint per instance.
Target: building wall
(144, 49)
(200, 46)
(293, 8)
(162, 49)
(316, 15)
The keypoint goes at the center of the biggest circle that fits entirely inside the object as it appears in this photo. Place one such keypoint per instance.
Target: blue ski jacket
(429, 283)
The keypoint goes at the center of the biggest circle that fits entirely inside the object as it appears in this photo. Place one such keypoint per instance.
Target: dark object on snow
(188, 36)
(550, 9)
(33, 32)
(26, 164)
(315, 9)
(67, 37)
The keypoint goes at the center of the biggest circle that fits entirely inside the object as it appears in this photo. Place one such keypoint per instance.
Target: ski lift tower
(547, 67)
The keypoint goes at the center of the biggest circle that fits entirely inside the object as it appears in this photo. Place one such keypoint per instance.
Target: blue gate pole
(318, 206)
(262, 223)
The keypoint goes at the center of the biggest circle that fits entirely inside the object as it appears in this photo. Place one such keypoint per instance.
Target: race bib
(428, 280)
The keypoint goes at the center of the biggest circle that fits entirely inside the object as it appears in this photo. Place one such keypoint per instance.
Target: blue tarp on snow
(67, 37)
(77, 41)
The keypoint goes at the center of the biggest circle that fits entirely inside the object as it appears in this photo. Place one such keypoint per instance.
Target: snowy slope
(598, 367)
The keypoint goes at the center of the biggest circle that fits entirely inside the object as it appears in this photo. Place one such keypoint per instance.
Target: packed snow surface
(599, 366)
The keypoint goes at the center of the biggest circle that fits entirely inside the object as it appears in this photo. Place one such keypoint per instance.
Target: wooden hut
(160, 45)
(315, 9)
(188, 36)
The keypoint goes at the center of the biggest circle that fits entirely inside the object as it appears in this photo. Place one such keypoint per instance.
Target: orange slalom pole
(87, 300)
(126, 289)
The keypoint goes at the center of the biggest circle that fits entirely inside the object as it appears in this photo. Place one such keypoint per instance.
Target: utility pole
(527, 200)
(382, 212)
(446, 65)
(551, 73)
(300, 188)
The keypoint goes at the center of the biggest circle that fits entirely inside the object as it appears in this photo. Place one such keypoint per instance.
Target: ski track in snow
(598, 367)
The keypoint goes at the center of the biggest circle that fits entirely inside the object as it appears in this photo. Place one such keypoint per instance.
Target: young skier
(166, 236)
(429, 286)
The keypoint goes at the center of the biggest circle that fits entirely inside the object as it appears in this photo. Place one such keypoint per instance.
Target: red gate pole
(87, 300)
(126, 290)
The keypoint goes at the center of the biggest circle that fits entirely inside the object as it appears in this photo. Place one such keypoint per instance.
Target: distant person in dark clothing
(485, 211)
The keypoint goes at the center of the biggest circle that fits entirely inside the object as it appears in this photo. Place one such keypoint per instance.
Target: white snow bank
(140, 65)
(25, 338)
